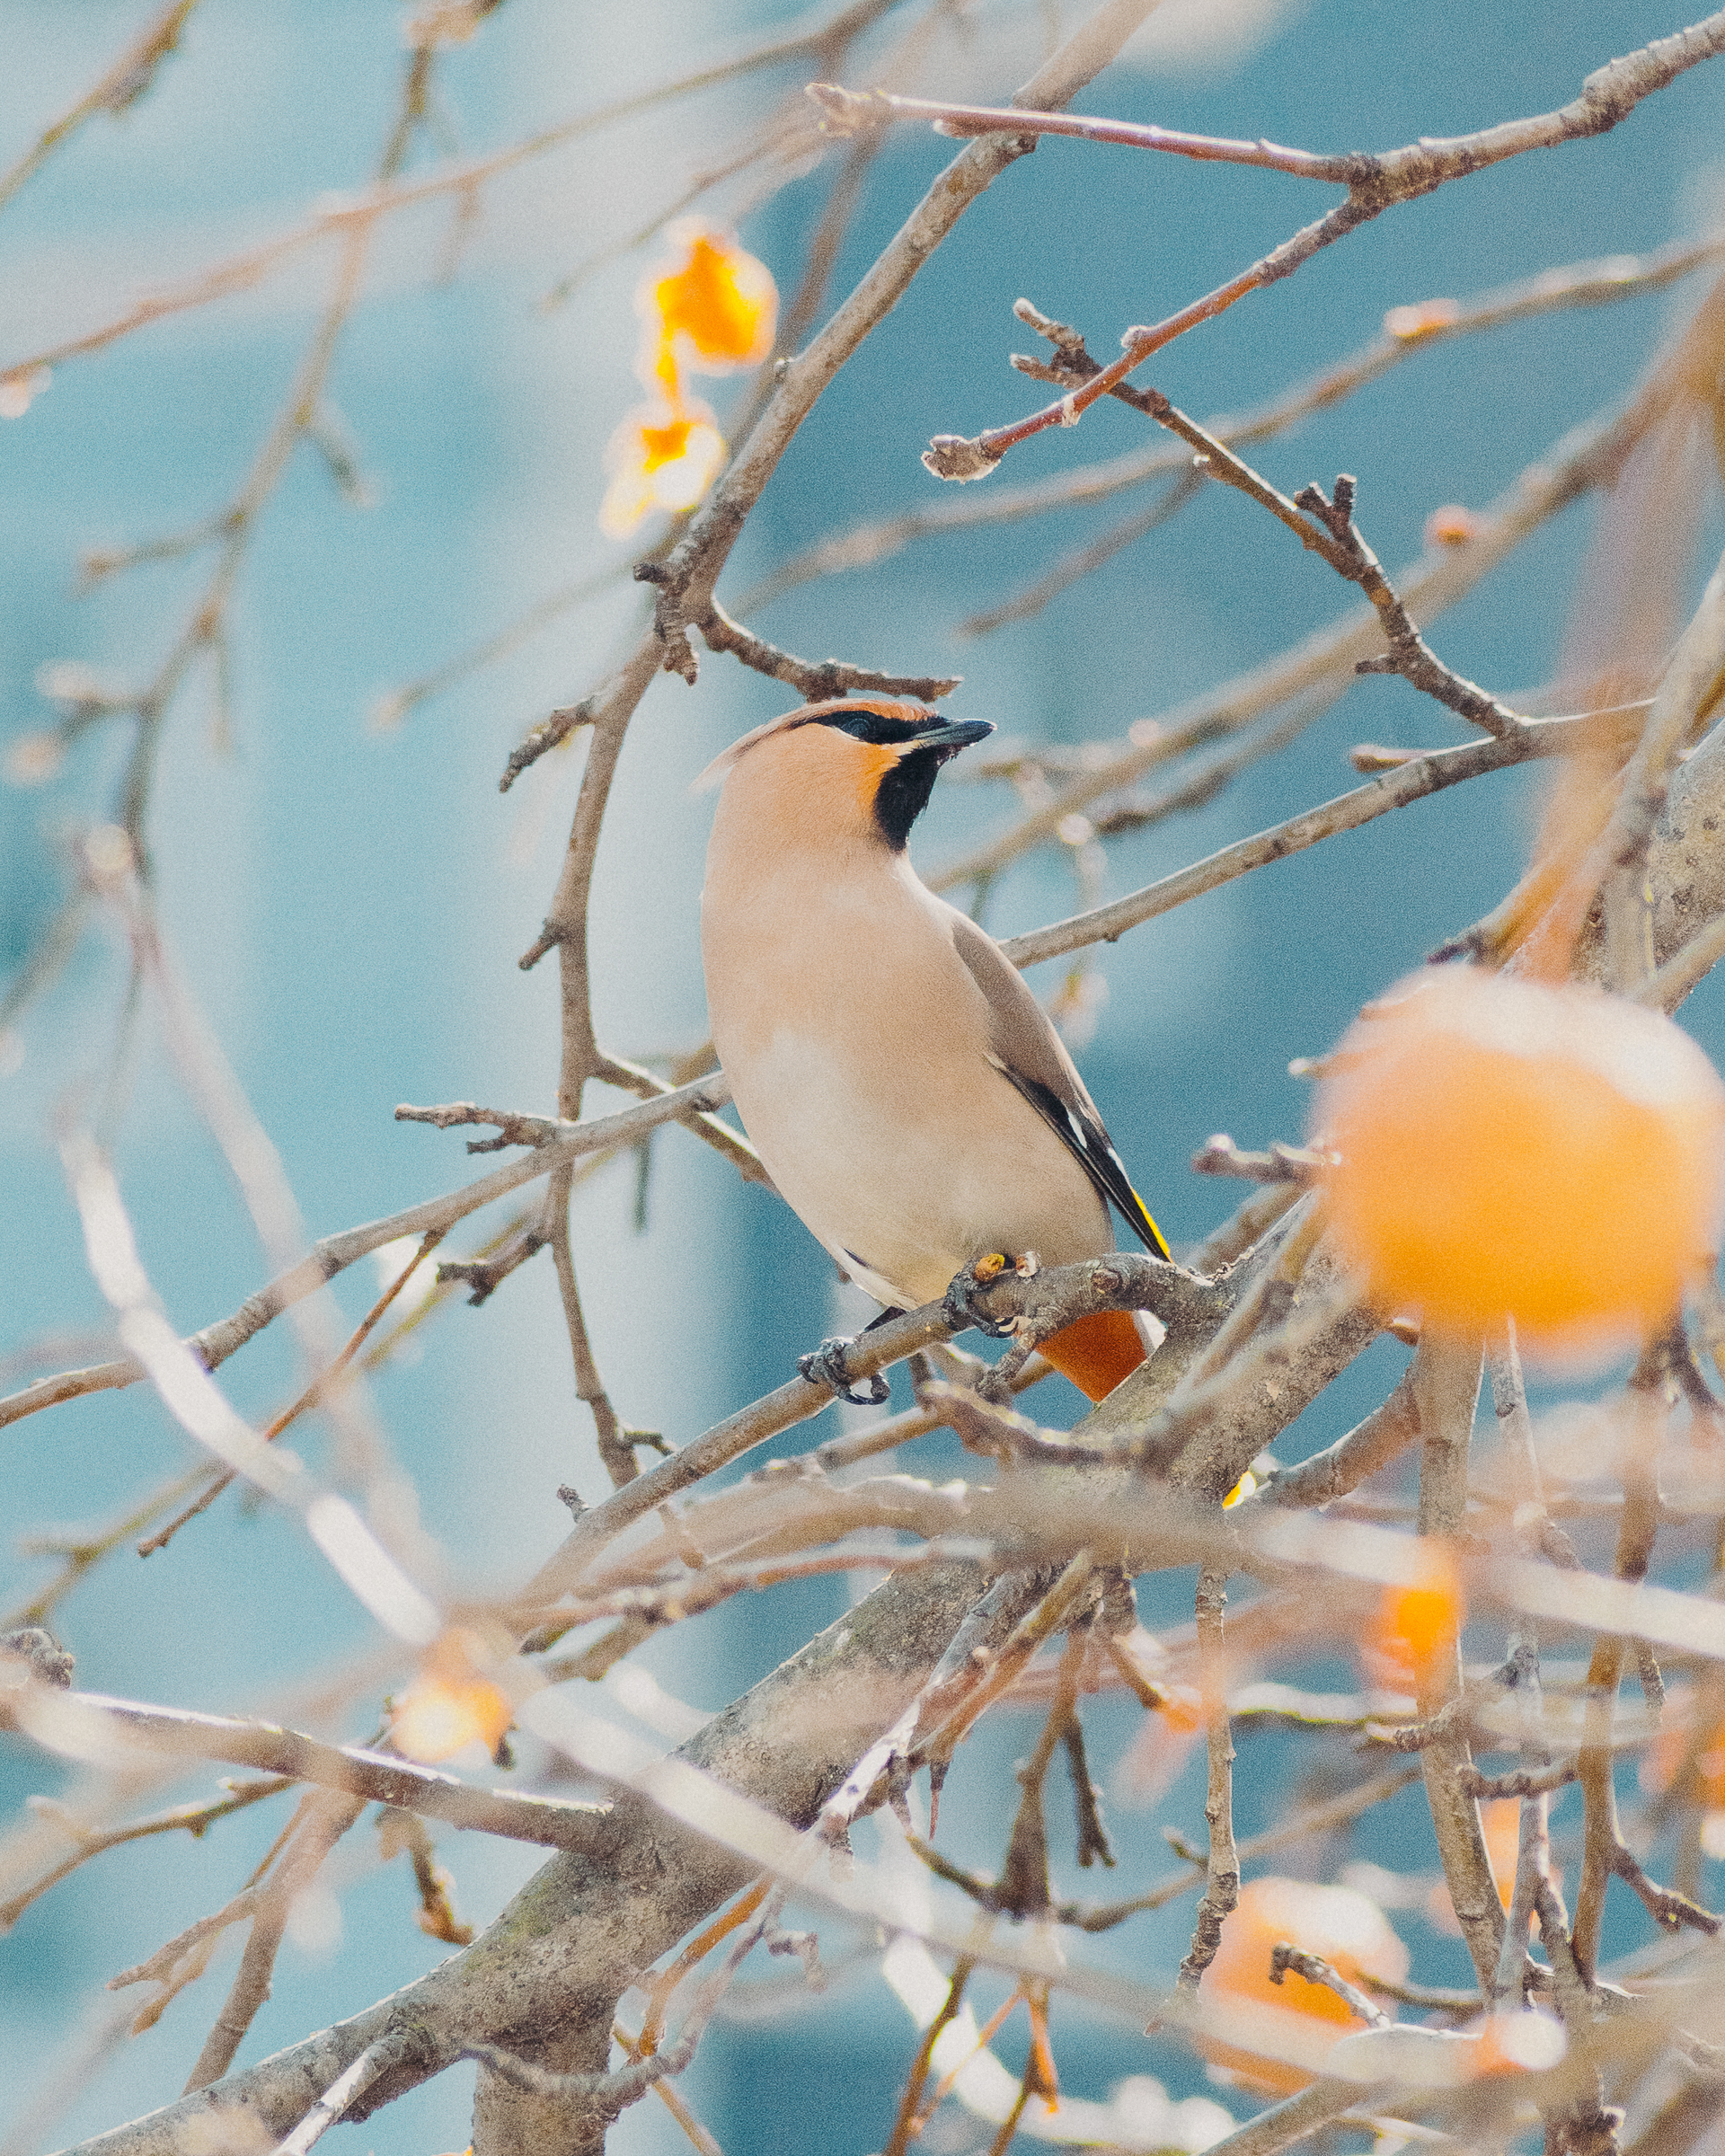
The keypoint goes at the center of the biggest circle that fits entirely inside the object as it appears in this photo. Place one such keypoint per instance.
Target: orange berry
(1408, 326)
(1504, 1146)
(659, 458)
(1670, 1748)
(450, 1704)
(1451, 525)
(1296, 2016)
(1418, 1622)
(1163, 1744)
(1500, 1821)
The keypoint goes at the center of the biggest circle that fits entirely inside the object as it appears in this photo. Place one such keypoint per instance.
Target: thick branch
(587, 1924)
(1445, 1382)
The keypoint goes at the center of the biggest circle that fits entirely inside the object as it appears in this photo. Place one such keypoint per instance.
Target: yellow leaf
(718, 306)
(660, 458)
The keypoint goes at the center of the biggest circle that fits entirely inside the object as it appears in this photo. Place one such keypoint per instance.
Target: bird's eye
(880, 730)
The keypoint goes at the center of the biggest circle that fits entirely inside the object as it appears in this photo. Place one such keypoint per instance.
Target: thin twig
(1374, 183)
(1398, 788)
(194, 1819)
(374, 1777)
(1222, 1869)
(373, 2063)
(1408, 332)
(907, 2120)
(116, 91)
(815, 680)
(327, 1819)
(334, 1254)
(1316, 1970)
(1085, 560)
(313, 1393)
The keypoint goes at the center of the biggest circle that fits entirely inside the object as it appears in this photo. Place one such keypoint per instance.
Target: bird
(905, 1090)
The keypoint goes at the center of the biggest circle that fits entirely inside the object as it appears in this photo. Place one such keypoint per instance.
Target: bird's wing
(1025, 1048)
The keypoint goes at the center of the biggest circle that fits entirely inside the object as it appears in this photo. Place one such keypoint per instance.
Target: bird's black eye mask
(879, 728)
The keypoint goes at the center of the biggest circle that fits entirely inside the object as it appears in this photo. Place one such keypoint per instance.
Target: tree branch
(1374, 183)
(691, 571)
(1585, 458)
(1408, 332)
(66, 1721)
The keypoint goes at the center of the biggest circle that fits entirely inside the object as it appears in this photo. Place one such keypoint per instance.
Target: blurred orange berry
(1504, 1146)
(1408, 325)
(33, 758)
(1243, 1488)
(18, 392)
(1663, 1758)
(1417, 1621)
(1516, 2040)
(718, 308)
(658, 459)
(450, 1705)
(1162, 1745)
(1451, 525)
(1500, 1822)
(1347, 1928)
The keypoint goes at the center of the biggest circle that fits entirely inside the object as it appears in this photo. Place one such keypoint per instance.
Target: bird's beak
(956, 734)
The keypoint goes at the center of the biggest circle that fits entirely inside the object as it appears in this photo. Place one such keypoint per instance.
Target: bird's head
(857, 767)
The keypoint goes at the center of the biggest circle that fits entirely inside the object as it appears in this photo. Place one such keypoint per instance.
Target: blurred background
(346, 893)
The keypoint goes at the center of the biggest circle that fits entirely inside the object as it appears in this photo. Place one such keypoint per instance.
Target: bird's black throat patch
(903, 793)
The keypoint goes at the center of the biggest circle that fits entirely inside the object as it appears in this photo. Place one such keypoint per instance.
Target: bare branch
(1408, 332)
(377, 2059)
(813, 679)
(1375, 184)
(1445, 1382)
(1397, 789)
(1222, 1874)
(326, 1819)
(116, 91)
(1316, 1970)
(350, 1770)
(1585, 458)
(686, 592)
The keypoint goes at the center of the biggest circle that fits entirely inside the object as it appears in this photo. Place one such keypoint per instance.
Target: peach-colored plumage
(905, 1089)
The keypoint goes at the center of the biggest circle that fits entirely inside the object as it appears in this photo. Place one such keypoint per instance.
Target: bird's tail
(1096, 1353)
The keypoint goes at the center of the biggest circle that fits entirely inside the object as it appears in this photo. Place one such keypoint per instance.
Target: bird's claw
(960, 1302)
(828, 1364)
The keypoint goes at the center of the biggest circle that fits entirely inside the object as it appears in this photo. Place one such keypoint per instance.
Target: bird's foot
(961, 1303)
(829, 1365)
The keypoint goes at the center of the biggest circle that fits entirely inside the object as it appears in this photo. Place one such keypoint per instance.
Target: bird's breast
(856, 1044)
